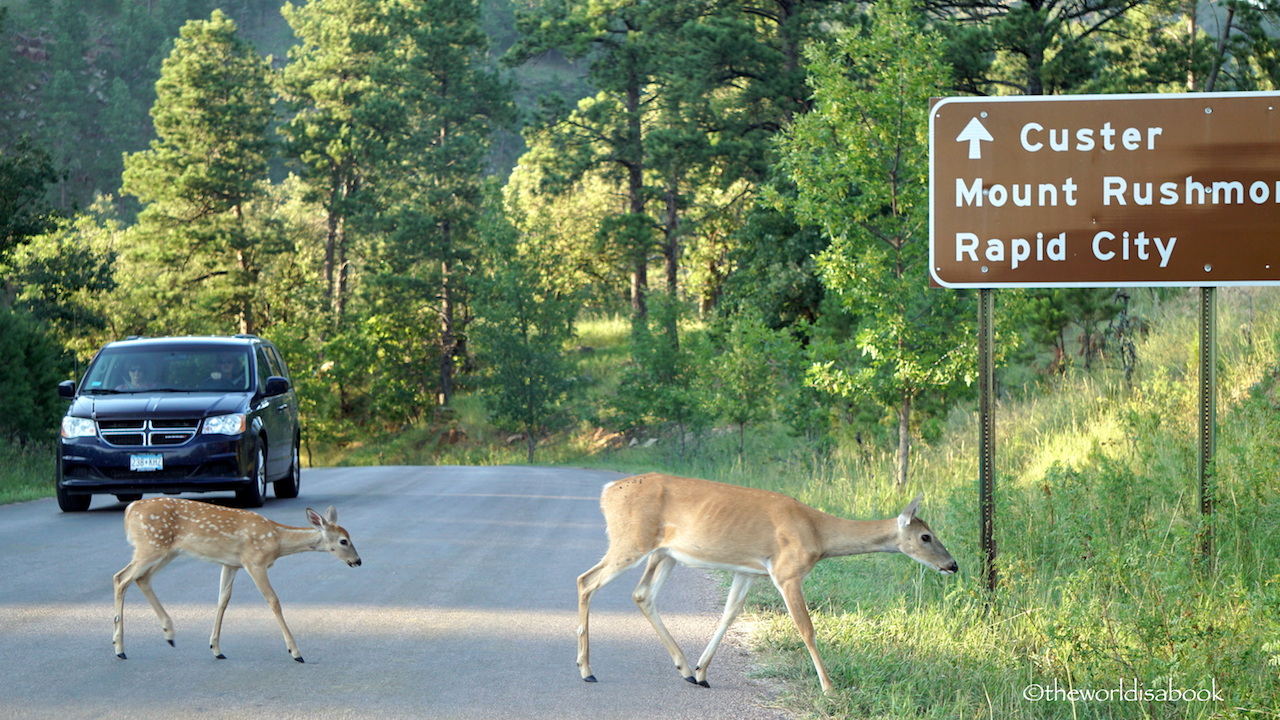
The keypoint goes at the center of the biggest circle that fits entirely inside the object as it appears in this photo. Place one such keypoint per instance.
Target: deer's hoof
(121, 656)
(590, 678)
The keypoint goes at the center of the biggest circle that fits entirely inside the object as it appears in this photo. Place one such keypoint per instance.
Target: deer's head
(333, 537)
(917, 540)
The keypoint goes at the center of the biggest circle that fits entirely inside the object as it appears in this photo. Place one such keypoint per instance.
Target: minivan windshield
(169, 368)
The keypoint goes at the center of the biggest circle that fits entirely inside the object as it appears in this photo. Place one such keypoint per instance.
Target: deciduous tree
(860, 161)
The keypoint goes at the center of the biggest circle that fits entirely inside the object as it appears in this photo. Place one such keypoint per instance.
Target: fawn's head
(334, 539)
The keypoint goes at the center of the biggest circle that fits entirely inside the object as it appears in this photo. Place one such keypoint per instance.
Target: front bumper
(205, 464)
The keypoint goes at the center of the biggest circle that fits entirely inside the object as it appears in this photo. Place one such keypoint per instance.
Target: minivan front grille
(147, 433)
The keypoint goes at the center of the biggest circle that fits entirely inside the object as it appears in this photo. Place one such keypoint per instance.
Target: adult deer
(160, 529)
(750, 532)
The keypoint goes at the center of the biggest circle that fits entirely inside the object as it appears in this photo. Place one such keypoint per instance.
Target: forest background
(687, 235)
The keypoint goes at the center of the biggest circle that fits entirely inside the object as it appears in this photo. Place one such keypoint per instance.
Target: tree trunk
(904, 438)
(447, 339)
(1220, 53)
(335, 248)
(247, 325)
(634, 154)
(671, 245)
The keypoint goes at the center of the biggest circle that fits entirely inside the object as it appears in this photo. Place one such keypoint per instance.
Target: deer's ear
(314, 518)
(909, 514)
(331, 515)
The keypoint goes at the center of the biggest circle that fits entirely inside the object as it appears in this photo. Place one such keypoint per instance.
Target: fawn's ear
(909, 514)
(331, 515)
(314, 518)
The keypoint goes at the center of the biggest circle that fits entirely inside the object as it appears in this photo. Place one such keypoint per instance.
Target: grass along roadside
(1098, 528)
(26, 472)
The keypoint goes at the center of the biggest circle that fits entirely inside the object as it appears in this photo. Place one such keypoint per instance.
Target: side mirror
(276, 385)
(67, 389)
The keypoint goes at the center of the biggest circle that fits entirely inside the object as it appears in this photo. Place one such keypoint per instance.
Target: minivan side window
(264, 367)
(277, 362)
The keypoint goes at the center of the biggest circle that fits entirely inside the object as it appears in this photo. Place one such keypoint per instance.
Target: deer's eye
(343, 541)
(926, 538)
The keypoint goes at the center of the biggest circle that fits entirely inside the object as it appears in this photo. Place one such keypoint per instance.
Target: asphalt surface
(465, 607)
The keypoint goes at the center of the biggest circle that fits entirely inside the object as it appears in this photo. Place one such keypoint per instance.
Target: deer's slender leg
(224, 597)
(121, 583)
(793, 595)
(259, 575)
(143, 581)
(139, 571)
(589, 582)
(733, 603)
(646, 597)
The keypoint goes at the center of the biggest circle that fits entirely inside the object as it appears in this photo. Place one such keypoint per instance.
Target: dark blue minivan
(180, 414)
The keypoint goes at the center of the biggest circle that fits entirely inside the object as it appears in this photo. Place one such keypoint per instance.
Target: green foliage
(859, 161)
(65, 276)
(28, 378)
(520, 342)
(25, 172)
(1046, 315)
(661, 385)
(1033, 48)
(750, 376)
(774, 262)
(394, 155)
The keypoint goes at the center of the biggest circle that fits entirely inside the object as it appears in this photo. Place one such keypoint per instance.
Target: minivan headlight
(224, 424)
(75, 427)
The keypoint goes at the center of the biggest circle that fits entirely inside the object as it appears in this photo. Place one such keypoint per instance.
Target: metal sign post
(987, 433)
(1208, 418)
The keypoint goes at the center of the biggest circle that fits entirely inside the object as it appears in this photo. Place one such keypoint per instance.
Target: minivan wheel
(287, 487)
(251, 496)
(68, 502)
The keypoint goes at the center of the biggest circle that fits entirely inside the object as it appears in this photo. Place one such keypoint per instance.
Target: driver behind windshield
(136, 378)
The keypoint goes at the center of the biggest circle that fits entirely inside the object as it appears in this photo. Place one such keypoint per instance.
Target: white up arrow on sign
(974, 133)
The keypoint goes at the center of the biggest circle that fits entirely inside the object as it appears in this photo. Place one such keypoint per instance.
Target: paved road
(465, 607)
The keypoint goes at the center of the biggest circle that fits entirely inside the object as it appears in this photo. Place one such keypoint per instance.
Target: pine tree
(212, 114)
(394, 114)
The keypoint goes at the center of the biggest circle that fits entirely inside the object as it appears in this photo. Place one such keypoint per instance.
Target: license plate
(146, 463)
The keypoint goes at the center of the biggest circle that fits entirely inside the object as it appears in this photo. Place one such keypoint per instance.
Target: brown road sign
(1105, 190)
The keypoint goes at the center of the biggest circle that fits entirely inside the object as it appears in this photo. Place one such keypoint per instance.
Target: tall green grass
(1098, 529)
(26, 472)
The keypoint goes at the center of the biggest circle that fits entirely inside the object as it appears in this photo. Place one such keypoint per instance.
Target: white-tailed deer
(160, 529)
(747, 531)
